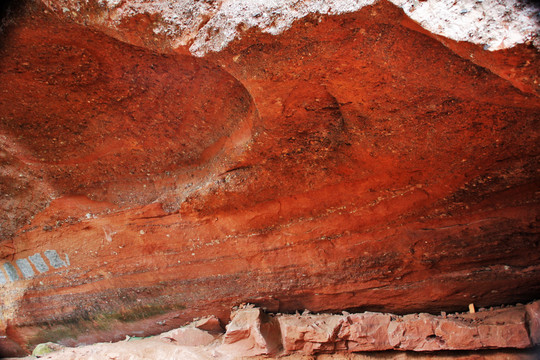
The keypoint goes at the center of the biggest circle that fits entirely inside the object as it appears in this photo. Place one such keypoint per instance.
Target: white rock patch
(496, 24)
(207, 25)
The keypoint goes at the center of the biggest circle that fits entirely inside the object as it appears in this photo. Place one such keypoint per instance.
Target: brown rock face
(352, 162)
(252, 333)
(502, 328)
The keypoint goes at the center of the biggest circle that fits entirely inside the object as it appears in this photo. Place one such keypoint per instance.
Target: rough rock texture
(148, 350)
(365, 332)
(249, 335)
(210, 324)
(190, 336)
(353, 161)
(204, 26)
(310, 334)
(251, 332)
(533, 316)
(502, 328)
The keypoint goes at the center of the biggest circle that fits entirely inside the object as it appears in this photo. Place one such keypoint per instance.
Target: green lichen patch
(46, 348)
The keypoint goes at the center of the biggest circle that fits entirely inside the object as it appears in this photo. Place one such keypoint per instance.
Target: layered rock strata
(354, 161)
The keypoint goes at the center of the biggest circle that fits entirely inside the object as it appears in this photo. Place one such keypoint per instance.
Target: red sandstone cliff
(353, 161)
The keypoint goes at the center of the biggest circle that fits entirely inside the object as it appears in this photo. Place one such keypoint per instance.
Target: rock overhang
(348, 174)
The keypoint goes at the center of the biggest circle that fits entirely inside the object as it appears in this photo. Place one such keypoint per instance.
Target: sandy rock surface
(210, 26)
(253, 333)
(332, 155)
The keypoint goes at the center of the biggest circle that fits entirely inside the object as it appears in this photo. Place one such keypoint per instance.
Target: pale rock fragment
(189, 336)
(251, 332)
(533, 318)
(210, 324)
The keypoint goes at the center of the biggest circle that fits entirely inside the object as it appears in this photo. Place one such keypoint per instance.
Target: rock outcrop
(251, 332)
(349, 160)
(503, 328)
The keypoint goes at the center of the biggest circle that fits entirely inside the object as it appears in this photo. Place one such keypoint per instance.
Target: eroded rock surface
(502, 328)
(253, 333)
(203, 26)
(353, 161)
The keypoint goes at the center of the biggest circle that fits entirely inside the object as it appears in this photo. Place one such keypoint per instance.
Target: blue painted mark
(54, 259)
(3, 279)
(39, 263)
(25, 267)
(11, 272)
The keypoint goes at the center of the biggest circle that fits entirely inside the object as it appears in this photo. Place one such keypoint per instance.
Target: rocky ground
(252, 333)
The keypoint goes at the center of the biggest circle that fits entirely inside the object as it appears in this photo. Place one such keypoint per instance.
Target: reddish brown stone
(414, 332)
(533, 318)
(312, 334)
(458, 335)
(366, 332)
(309, 334)
(250, 333)
(350, 162)
(504, 328)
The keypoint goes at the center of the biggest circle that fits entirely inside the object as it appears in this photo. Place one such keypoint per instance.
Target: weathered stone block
(366, 332)
(533, 318)
(250, 333)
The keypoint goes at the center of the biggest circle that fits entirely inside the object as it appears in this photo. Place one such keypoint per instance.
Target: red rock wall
(310, 334)
(352, 162)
